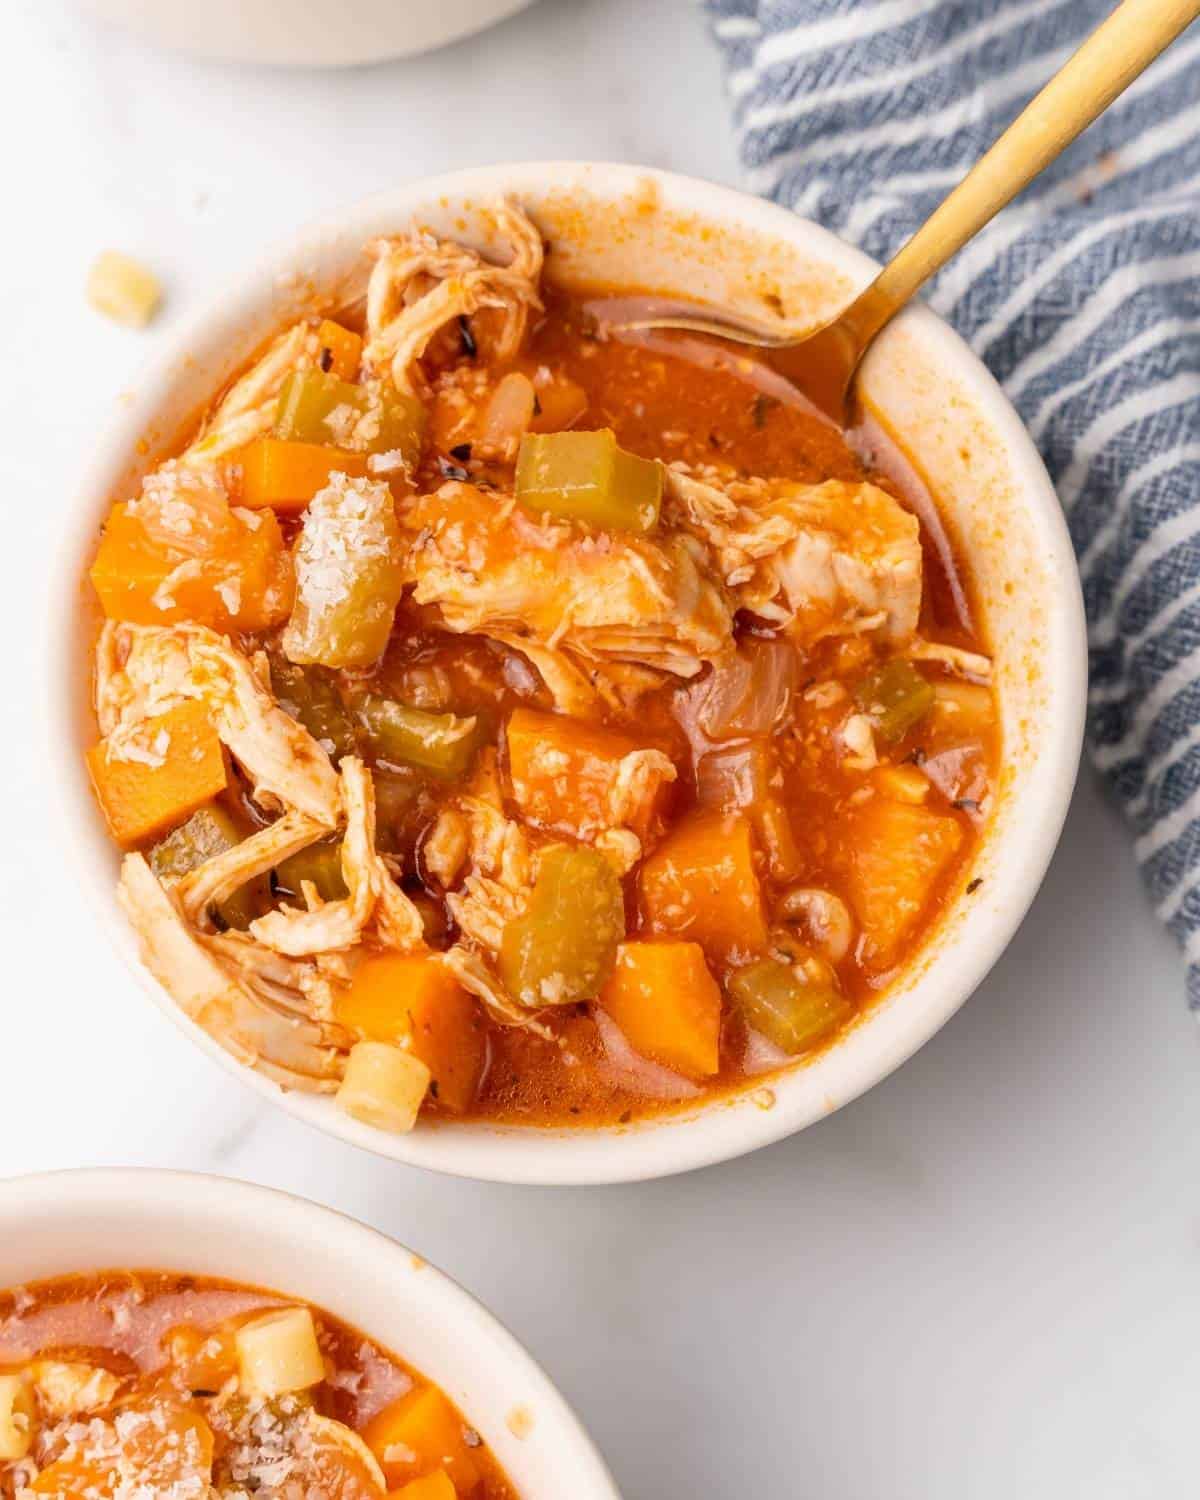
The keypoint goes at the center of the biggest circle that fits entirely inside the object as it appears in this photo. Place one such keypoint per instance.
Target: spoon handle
(1103, 67)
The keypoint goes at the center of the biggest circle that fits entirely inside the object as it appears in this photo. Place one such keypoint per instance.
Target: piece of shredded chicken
(591, 598)
(420, 283)
(816, 559)
(248, 408)
(145, 670)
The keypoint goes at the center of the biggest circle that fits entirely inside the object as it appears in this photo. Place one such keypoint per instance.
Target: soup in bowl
(540, 746)
(174, 1335)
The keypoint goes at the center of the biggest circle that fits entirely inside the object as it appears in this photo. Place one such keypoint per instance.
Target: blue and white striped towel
(1083, 298)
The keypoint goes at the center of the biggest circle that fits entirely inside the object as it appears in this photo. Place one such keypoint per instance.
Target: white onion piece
(508, 414)
(747, 692)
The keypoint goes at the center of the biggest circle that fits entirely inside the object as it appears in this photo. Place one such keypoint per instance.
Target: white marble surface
(982, 1279)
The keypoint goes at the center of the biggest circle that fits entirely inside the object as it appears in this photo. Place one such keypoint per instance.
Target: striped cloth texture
(1082, 297)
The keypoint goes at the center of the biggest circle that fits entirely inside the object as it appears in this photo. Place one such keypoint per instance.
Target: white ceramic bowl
(62, 1222)
(304, 35)
(625, 225)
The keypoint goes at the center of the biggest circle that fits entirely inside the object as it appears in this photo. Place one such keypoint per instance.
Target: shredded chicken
(373, 895)
(419, 284)
(968, 664)
(68, 1387)
(591, 596)
(144, 670)
(248, 408)
(231, 1002)
(823, 559)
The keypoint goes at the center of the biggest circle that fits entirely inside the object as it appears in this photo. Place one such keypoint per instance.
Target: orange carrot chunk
(564, 775)
(149, 785)
(897, 852)
(667, 1005)
(232, 576)
(341, 350)
(701, 884)
(285, 476)
(418, 1435)
(412, 998)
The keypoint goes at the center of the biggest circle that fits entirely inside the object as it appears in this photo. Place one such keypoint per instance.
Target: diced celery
(402, 809)
(400, 423)
(896, 697)
(208, 832)
(584, 476)
(442, 744)
(564, 946)
(321, 863)
(311, 698)
(789, 1012)
(307, 399)
(315, 407)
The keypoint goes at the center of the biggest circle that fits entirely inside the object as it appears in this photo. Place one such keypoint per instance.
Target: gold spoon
(822, 363)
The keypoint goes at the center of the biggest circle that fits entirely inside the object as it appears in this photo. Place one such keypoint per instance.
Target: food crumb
(123, 289)
(520, 1422)
(764, 1098)
(417, 1262)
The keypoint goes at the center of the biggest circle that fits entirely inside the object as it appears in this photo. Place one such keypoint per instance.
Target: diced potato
(584, 476)
(123, 289)
(436, 1486)
(442, 744)
(18, 1416)
(895, 697)
(413, 998)
(180, 766)
(962, 708)
(785, 1008)
(348, 577)
(238, 575)
(285, 476)
(701, 884)
(341, 350)
(278, 1352)
(896, 855)
(563, 947)
(420, 1434)
(564, 773)
(667, 1005)
(384, 1086)
(208, 832)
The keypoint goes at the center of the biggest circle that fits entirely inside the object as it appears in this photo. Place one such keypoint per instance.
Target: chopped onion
(508, 414)
(747, 692)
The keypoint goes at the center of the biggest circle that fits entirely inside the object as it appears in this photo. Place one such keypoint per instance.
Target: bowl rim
(152, 1195)
(727, 1127)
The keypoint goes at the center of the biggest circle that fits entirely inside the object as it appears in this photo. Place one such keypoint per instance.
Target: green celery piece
(895, 697)
(444, 745)
(321, 863)
(208, 832)
(775, 1001)
(584, 476)
(564, 945)
(306, 400)
(311, 698)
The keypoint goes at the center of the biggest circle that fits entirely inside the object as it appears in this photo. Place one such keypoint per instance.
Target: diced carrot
(667, 1005)
(345, 349)
(896, 853)
(177, 766)
(701, 884)
(437, 1486)
(285, 476)
(420, 1434)
(395, 996)
(563, 774)
(149, 1450)
(240, 580)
